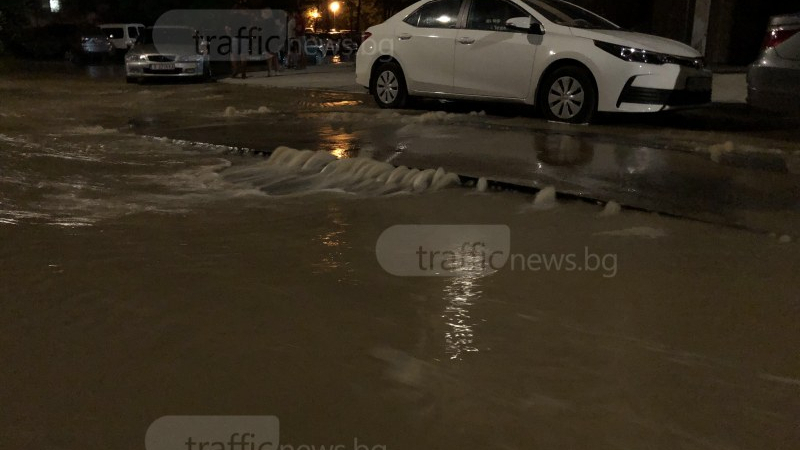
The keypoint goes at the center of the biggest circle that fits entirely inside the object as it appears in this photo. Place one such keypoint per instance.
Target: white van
(122, 35)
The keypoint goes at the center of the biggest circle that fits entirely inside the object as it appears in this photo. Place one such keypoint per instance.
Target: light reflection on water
(341, 103)
(335, 245)
(461, 293)
(338, 142)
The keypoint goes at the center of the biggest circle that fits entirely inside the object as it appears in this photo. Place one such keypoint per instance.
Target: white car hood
(639, 40)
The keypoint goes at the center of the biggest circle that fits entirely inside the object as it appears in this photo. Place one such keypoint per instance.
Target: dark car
(318, 46)
(96, 44)
(346, 43)
(76, 43)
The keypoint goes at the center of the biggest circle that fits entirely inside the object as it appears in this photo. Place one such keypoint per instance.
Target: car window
(567, 14)
(492, 15)
(436, 14)
(133, 32)
(114, 33)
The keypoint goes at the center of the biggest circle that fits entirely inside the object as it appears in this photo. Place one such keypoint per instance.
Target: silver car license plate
(162, 66)
(698, 84)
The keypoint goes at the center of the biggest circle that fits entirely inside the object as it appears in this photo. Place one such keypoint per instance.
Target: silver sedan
(773, 81)
(166, 52)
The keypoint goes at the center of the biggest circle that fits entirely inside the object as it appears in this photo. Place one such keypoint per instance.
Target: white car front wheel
(568, 94)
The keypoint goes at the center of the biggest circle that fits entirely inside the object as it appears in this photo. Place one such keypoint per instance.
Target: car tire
(131, 80)
(568, 94)
(388, 86)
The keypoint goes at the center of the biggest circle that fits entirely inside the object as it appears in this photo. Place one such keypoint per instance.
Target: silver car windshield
(567, 14)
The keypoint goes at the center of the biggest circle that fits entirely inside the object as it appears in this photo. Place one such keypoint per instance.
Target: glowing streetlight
(334, 6)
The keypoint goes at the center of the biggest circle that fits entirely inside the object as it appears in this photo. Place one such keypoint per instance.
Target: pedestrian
(291, 37)
(241, 44)
(272, 63)
(238, 54)
(300, 35)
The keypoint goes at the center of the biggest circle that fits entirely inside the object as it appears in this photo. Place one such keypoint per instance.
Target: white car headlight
(631, 54)
(648, 57)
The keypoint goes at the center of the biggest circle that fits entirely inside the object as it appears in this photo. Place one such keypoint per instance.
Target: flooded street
(155, 261)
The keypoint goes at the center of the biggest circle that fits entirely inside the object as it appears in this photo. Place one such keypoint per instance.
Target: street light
(334, 7)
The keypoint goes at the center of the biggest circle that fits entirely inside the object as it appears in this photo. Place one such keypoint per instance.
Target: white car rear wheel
(389, 86)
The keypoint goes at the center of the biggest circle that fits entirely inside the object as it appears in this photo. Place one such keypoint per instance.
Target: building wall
(737, 28)
(733, 32)
(673, 19)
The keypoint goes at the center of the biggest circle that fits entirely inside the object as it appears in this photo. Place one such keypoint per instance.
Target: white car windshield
(567, 14)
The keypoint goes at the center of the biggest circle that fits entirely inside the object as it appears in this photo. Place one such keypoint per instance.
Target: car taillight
(777, 37)
(365, 35)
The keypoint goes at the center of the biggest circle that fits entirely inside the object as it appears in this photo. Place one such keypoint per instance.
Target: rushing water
(143, 277)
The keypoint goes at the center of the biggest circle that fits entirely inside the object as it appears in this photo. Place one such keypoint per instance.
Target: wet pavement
(725, 164)
(154, 261)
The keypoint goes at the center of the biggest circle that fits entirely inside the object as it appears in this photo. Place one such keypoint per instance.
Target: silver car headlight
(135, 57)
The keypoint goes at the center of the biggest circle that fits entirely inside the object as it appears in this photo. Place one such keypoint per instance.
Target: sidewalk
(339, 77)
(728, 87)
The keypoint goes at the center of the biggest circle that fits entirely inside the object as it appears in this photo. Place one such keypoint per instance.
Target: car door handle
(466, 40)
(404, 37)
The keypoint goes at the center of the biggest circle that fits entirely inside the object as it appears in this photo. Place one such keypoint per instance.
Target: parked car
(347, 43)
(123, 35)
(74, 42)
(95, 44)
(773, 81)
(566, 60)
(319, 46)
(167, 52)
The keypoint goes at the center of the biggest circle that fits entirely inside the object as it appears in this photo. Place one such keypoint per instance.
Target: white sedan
(566, 60)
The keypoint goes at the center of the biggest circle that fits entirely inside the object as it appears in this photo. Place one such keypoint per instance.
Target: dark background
(736, 27)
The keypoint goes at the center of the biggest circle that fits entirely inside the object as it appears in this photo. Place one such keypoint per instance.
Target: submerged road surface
(151, 265)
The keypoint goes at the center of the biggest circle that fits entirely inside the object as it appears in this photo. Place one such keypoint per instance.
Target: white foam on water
(12, 139)
(640, 232)
(231, 111)
(92, 130)
(292, 171)
(483, 184)
(612, 208)
(182, 145)
(545, 199)
(430, 117)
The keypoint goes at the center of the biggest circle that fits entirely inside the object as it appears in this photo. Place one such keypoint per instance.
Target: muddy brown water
(140, 278)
